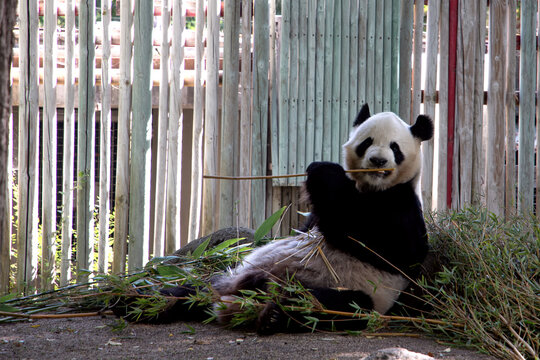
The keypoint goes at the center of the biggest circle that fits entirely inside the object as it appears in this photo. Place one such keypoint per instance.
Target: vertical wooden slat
(362, 52)
(229, 114)
(417, 59)
(441, 131)
(8, 11)
(311, 13)
(273, 192)
(261, 47)
(353, 65)
(464, 103)
(27, 241)
(302, 88)
(198, 129)
(405, 64)
(328, 76)
(510, 112)
(395, 66)
(335, 85)
(293, 93)
(175, 129)
(345, 77)
(432, 48)
(319, 80)
(378, 51)
(386, 80)
(210, 188)
(527, 87)
(86, 141)
(121, 201)
(160, 216)
(245, 120)
(284, 91)
(105, 140)
(537, 164)
(370, 55)
(496, 113)
(48, 245)
(69, 146)
(479, 151)
(139, 192)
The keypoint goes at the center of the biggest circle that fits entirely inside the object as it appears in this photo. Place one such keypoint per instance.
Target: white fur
(383, 128)
(298, 256)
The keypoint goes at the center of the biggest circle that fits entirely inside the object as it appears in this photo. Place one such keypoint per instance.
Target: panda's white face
(384, 141)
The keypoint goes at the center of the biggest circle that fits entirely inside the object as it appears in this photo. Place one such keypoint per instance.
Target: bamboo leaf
(267, 225)
(200, 249)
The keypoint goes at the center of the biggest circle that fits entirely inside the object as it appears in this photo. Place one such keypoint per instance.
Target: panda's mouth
(380, 173)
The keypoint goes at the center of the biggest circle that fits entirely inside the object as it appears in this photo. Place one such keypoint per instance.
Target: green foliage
(490, 282)
(266, 226)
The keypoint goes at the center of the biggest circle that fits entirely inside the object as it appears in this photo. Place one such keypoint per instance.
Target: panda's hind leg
(273, 318)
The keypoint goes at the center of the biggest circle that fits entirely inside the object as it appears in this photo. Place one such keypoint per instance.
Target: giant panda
(365, 240)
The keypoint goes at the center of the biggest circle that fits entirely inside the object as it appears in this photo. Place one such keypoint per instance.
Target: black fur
(362, 116)
(422, 128)
(388, 222)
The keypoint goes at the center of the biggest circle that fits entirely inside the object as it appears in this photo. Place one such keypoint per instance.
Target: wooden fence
(255, 87)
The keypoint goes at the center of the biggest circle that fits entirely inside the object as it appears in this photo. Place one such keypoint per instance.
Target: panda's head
(385, 141)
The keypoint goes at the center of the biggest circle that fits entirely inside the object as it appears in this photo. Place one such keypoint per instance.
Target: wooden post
(432, 48)
(496, 112)
(510, 112)
(229, 114)
(69, 147)
(405, 66)
(335, 85)
(27, 241)
(174, 158)
(211, 156)
(354, 45)
(319, 79)
(48, 245)
(121, 200)
(261, 48)
(417, 59)
(163, 123)
(292, 81)
(105, 140)
(198, 129)
(86, 141)
(441, 132)
(328, 76)
(283, 152)
(527, 87)
(465, 101)
(244, 193)
(139, 192)
(8, 19)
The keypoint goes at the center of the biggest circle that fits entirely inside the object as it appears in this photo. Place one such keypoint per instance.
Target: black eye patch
(364, 145)
(398, 155)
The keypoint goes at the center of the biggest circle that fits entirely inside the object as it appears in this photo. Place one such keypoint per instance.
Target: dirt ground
(93, 338)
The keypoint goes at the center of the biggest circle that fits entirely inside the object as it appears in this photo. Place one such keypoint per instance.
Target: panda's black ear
(362, 116)
(423, 128)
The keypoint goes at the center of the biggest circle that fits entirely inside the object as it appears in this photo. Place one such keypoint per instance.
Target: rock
(397, 354)
(217, 238)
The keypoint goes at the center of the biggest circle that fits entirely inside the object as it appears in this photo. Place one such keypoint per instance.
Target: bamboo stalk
(284, 176)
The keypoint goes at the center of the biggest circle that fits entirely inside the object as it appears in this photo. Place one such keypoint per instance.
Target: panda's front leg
(332, 194)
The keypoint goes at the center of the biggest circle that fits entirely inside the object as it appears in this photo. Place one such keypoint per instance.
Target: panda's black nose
(377, 161)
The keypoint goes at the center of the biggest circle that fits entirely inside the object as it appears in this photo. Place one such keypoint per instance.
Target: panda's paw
(325, 168)
(271, 320)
